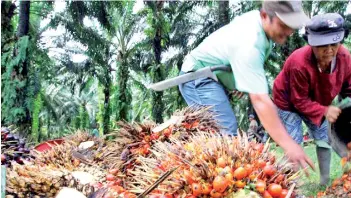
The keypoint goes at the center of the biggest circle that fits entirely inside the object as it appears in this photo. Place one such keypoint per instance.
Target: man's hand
(298, 157)
(332, 113)
(270, 120)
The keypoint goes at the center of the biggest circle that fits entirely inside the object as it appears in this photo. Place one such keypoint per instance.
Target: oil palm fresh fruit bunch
(59, 156)
(80, 136)
(113, 187)
(13, 148)
(193, 119)
(133, 140)
(212, 165)
(32, 180)
(128, 138)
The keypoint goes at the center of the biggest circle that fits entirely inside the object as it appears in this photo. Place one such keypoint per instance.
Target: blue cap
(325, 29)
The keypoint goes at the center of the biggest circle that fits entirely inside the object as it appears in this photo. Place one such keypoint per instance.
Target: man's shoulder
(345, 58)
(344, 52)
(247, 23)
(300, 58)
(241, 29)
(302, 51)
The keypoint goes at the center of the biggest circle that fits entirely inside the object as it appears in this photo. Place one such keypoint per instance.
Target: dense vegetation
(47, 93)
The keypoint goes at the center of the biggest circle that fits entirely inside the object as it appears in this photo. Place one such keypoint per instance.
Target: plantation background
(72, 65)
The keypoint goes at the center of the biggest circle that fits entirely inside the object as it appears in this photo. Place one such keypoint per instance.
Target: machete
(206, 72)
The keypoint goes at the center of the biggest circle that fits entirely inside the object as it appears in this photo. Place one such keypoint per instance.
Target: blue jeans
(293, 124)
(207, 92)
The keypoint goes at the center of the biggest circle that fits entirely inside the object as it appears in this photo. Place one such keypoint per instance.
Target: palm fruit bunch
(32, 180)
(341, 187)
(63, 155)
(113, 186)
(133, 140)
(59, 156)
(193, 119)
(83, 136)
(117, 153)
(212, 165)
(13, 148)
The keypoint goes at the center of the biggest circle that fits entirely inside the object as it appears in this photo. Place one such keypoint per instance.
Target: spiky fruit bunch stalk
(193, 119)
(129, 136)
(80, 136)
(29, 180)
(211, 165)
(133, 140)
(59, 156)
(341, 187)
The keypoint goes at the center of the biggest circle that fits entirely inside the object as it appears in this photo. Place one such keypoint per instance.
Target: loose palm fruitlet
(113, 187)
(13, 148)
(212, 165)
(341, 187)
(98, 173)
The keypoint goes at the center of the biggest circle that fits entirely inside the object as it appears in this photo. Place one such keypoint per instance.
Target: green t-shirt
(244, 46)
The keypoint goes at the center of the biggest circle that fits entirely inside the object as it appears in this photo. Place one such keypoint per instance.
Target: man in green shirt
(245, 44)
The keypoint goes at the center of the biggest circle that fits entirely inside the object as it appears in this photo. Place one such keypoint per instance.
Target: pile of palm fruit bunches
(340, 187)
(184, 157)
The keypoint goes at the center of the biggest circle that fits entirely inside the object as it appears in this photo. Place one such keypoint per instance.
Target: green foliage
(76, 122)
(7, 28)
(13, 82)
(37, 106)
(84, 118)
(125, 52)
(100, 114)
(126, 27)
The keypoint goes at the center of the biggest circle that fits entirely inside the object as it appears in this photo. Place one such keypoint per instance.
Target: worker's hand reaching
(297, 156)
(332, 113)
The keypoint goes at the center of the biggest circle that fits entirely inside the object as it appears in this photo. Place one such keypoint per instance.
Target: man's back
(226, 46)
(243, 30)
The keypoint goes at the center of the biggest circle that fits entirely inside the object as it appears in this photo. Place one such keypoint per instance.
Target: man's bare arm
(268, 116)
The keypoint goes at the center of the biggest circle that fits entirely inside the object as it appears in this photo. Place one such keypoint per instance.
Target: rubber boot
(324, 156)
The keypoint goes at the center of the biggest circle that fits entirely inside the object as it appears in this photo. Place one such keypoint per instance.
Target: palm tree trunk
(157, 103)
(22, 69)
(122, 76)
(40, 132)
(7, 12)
(106, 118)
(23, 23)
(223, 13)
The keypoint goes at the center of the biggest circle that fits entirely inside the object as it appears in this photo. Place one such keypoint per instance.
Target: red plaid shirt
(302, 88)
